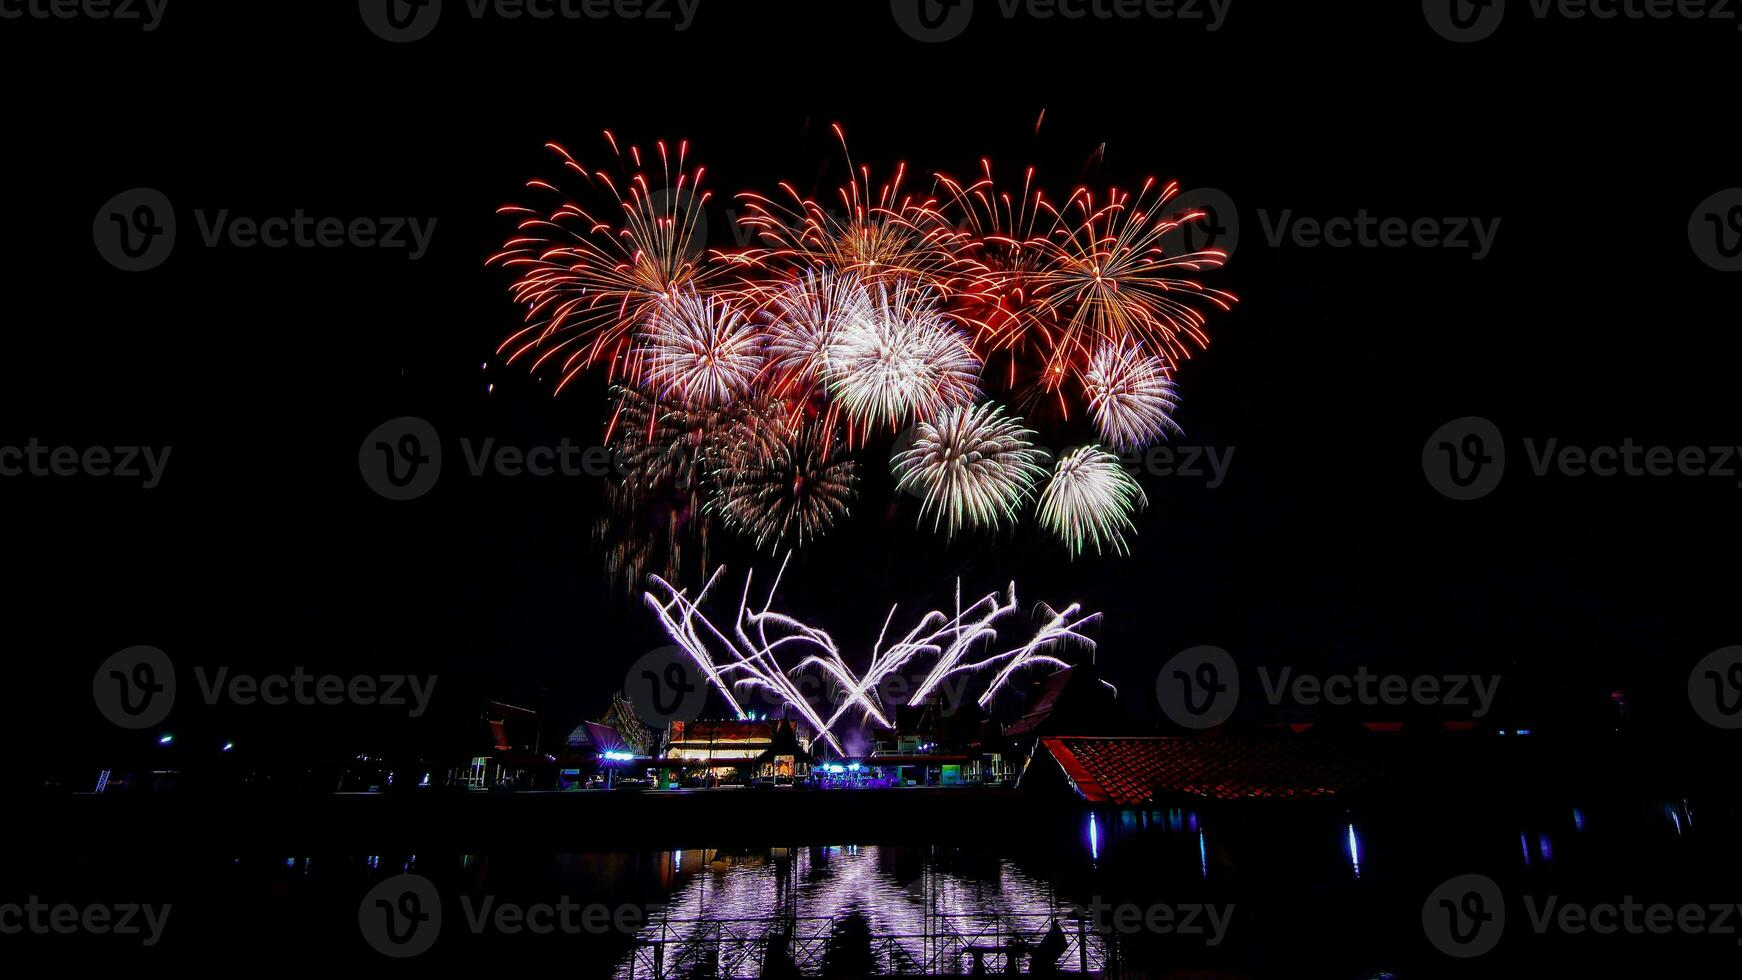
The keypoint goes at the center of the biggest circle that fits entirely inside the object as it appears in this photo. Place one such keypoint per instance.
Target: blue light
(1094, 839)
(1578, 819)
(853, 767)
(165, 739)
(1203, 857)
(617, 756)
(228, 746)
(1354, 851)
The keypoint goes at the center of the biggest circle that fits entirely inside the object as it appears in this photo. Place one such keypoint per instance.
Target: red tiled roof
(1129, 771)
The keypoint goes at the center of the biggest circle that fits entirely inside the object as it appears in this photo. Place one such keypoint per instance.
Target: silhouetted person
(1046, 955)
(848, 953)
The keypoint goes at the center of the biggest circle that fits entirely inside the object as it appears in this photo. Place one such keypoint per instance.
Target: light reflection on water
(921, 908)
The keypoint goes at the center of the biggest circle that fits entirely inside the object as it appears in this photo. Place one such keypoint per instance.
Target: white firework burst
(974, 467)
(901, 359)
(803, 316)
(699, 351)
(1089, 500)
(1130, 395)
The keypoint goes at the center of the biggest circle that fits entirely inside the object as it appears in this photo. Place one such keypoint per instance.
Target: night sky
(1591, 321)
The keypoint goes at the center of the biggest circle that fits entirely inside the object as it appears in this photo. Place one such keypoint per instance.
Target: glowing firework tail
(588, 281)
(750, 655)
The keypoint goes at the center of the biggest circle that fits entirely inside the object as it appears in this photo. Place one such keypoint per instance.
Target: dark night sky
(1591, 321)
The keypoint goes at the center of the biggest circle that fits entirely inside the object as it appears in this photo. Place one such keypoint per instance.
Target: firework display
(742, 657)
(745, 380)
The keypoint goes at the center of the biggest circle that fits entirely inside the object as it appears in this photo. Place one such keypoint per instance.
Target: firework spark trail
(588, 281)
(757, 663)
(878, 234)
(1107, 276)
(750, 659)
